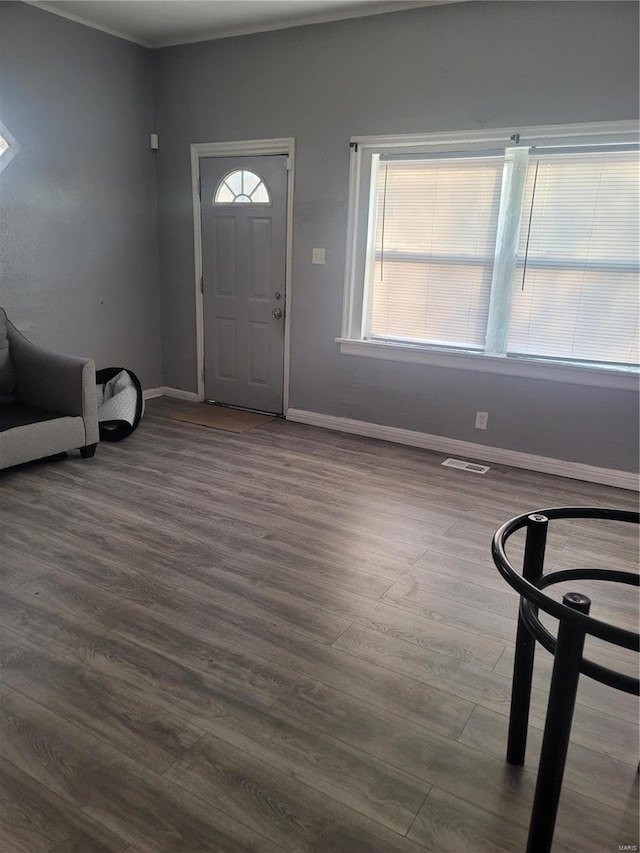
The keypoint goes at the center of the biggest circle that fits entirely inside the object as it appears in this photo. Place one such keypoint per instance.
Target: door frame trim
(243, 148)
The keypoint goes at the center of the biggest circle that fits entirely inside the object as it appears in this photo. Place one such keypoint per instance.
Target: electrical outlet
(482, 420)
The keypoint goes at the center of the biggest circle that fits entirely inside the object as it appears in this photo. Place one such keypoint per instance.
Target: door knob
(277, 313)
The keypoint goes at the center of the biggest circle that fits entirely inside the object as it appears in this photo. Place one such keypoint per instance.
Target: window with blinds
(575, 294)
(435, 240)
(563, 286)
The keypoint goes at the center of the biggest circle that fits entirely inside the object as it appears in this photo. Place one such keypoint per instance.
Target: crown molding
(233, 32)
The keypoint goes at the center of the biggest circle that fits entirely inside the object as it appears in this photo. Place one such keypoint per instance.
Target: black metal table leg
(567, 648)
(562, 699)
(525, 645)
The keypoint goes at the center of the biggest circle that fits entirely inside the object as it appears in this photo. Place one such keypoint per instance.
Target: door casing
(256, 147)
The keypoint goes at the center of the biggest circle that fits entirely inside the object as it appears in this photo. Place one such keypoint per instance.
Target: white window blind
(436, 222)
(575, 289)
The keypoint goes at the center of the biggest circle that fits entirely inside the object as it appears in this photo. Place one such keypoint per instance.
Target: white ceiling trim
(322, 18)
(209, 35)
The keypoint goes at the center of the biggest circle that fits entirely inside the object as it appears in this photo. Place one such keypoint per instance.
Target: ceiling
(158, 23)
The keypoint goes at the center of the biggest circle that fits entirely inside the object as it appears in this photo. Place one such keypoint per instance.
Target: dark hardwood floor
(287, 639)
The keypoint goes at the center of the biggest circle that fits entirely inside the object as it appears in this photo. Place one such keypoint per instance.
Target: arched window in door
(241, 187)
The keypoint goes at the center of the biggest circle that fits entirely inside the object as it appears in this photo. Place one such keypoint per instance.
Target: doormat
(219, 417)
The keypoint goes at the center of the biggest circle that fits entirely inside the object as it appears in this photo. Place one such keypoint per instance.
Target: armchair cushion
(19, 415)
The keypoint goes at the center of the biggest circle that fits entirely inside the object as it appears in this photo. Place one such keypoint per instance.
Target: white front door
(243, 208)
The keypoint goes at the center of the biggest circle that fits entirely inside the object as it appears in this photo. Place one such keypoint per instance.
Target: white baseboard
(150, 393)
(179, 394)
(480, 452)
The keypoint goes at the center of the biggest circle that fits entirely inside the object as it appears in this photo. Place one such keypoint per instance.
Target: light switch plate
(318, 256)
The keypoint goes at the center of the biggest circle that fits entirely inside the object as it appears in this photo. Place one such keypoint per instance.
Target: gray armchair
(47, 400)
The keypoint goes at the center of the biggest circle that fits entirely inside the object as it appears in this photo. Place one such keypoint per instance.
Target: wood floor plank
(461, 614)
(591, 693)
(322, 470)
(445, 637)
(347, 538)
(469, 774)
(499, 602)
(449, 825)
(100, 706)
(439, 709)
(152, 575)
(239, 478)
(597, 730)
(146, 665)
(110, 789)
(131, 501)
(391, 621)
(426, 516)
(328, 561)
(17, 568)
(268, 558)
(277, 805)
(401, 545)
(476, 551)
(401, 743)
(598, 776)
(206, 632)
(364, 783)
(237, 671)
(344, 566)
(480, 531)
(34, 820)
(432, 566)
(575, 555)
(354, 778)
(465, 680)
(584, 824)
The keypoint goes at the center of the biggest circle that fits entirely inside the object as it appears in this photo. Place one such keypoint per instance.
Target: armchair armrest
(64, 384)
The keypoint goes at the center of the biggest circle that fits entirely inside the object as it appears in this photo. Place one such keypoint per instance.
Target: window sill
(625, 380)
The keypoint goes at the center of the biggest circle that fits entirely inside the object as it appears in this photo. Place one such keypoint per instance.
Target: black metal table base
(574, 625)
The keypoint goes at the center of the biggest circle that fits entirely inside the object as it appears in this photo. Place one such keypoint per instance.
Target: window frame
(360, 249)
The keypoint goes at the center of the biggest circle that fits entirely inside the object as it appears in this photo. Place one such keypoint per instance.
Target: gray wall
(78, 209)
(432, 69)
(78, 241)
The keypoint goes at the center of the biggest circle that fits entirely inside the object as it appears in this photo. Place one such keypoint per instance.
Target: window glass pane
(445, 304)
(224, 195)
(260, 195)
(242, 187)
(435, 239)
(575, 293)
(576, 314)
(250, 182)
(234, 182)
